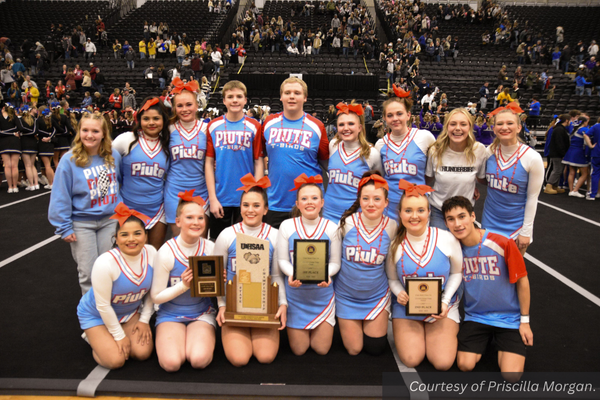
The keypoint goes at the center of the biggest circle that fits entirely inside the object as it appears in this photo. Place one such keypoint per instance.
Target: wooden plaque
(208, 276)
(251, 297)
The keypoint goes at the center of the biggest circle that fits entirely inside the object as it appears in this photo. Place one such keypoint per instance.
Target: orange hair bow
(249, 182)
(304, 179)
(188, 195)
(149, 104)
(379, 181)
(512, 106)
(410, 189)
(122, 214)
(344, 108)
(399, 92)
(179, 86)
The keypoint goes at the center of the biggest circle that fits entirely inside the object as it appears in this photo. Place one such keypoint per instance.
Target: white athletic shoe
(16, 190)
(30, 188)
(10, 190)
(49, 187)
(43, 180)
(588, 197)
(36, 187)
(576, 194)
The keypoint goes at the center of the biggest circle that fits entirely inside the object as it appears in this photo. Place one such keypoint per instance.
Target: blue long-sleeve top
(534, 108)
(75, 194)
(580, 81)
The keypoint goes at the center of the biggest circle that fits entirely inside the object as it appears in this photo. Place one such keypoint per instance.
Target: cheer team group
(402, 208)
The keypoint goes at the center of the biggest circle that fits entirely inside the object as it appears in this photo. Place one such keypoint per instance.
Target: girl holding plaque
(361, 287)
(116, 311)
(145, 159)
(241, 343)
(350, 156)
(187, 147)
(425, 252)
(403, 150)
(311, 307)
(185, 325)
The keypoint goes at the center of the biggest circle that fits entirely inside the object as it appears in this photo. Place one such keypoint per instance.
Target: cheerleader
(311, 308)
(63, 128)
(10, 146)
(29, 145)
(185, 325)
(403, 150)
(486, 132)
(116, 311)
(187, 149)
(422, 251)
(515, 172)
(577, 159)
(455, 162)
(350, 156)
(145, 160)
(234, 149)
(361, 288)
(240, 343)
(85, 193)
(45, 132)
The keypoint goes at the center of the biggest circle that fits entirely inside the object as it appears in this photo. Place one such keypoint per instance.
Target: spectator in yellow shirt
(142, 46)
(504, 97)
(152, 49)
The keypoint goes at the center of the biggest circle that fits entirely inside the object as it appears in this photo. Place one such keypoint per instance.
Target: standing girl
(422, 251)
(361, 287)
(114, 327)
(145, 159)
(240, 343)
(45, 132)
(350, 156)
(515, 172)
(403, 150)
(185, 325)
(456, 161)
(29, 146)
(187, 149)
(63, 130)
(311, 308)
(85, 194)
(10, 146)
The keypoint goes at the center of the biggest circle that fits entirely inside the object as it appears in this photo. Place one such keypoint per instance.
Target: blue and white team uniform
(122, 283)
(404, 160)
(436, 254)
(143, 170)
(514, 184)
(308, 305)
(594, 135)
(361, 286)
(293, 148)
(45, 149)
(9, 143)
(490, 274)
(29, 144)
(187, 149)
(346, 167)
(576, 155)
(234, 146)
(180, 306)
(226, 246)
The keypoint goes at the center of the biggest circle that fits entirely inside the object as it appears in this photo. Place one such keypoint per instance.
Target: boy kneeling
(496, 293)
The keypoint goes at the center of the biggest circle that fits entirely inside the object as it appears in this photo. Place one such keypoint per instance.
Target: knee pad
(374, 346)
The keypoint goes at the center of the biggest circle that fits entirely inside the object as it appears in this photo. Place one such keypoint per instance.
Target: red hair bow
(149, 104)
(512, 106)
(122, 213)
(188, 195)
(304, 179)
(410, 189)
(179, 86)
(249, 182)
(399, 92)
(344, 108)
(379, 181)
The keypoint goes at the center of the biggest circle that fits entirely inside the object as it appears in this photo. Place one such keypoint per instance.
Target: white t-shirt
(455, 176)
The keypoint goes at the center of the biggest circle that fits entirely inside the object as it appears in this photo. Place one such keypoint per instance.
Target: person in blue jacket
(85, 193)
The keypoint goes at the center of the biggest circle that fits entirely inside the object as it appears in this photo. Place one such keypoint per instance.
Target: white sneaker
(588, 197)
(16, 190)
(576, 194)
(43, 180)
(36, 187)
(49, 187)
(24, 183)
(30, 188)
(10, 190)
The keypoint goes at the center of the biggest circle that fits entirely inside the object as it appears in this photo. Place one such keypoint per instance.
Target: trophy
(208, 276)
